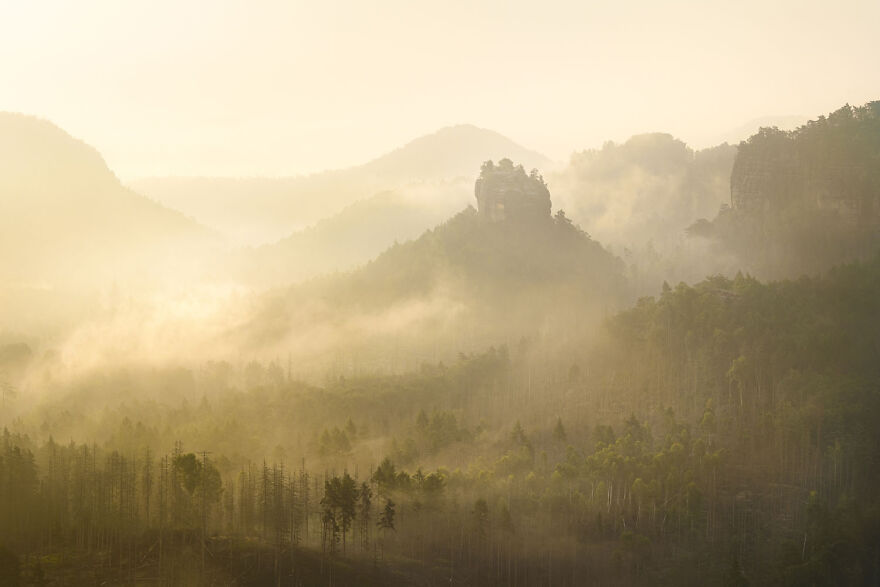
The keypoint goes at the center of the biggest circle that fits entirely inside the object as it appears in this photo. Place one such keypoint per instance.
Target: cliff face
(506, 193)
(805, 200)
(853, 192)
(766, 178)
(829, 166)
(848, 192)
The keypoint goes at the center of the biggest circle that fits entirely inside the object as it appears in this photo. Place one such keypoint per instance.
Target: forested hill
(478, 279)
(804, 200)
(760, 353)
(777, 384)
(485, 263)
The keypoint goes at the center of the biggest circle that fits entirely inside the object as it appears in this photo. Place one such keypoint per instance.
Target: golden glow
(256, 88)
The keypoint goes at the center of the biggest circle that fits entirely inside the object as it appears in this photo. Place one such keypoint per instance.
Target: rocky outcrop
(848, 191)
(831, 165)
(759, 184)
(805, 200)
(506, 193)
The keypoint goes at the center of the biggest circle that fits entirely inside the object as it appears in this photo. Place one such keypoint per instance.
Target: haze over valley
(488, 295)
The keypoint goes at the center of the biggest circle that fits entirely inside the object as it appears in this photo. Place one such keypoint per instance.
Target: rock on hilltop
(505, 192)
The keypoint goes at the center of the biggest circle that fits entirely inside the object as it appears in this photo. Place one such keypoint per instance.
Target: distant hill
(262, 210)
(67, 223)
(474, 280)
(454, 151)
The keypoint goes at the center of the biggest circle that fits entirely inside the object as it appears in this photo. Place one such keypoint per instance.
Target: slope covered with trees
(719, 433)
(349, 238)
(470, 283)
(804, 200)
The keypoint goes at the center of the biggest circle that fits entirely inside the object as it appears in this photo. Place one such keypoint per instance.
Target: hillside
(473, 281)
(258, 211)
(802, 201)
(715, 432)
(349, 238)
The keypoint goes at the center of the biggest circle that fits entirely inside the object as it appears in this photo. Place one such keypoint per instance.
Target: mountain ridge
(261, 210)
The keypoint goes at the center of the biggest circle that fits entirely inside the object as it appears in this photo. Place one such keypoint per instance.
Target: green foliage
(339, 507)
(603, 434)
(386, 518)
(559, 431)
(386, 476)
(334, 442)
(480, 516)
(198, 476)
(713, 412)
(431, 435)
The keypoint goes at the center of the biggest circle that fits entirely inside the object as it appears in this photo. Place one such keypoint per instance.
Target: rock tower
(506, 193)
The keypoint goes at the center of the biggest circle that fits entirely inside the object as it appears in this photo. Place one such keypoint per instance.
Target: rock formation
(506, 193)
(802, 201)
(828, 166)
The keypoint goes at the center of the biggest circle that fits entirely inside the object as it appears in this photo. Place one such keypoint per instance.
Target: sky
(247, 88)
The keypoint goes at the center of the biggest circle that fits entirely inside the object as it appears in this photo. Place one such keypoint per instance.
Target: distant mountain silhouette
(262, 210)
(65, 218)
(454, 151)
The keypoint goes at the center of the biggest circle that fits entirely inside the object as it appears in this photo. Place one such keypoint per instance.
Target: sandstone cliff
(829, 165)
(506, 193)
(805, 200)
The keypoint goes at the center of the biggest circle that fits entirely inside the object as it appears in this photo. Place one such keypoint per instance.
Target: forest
(721, 432)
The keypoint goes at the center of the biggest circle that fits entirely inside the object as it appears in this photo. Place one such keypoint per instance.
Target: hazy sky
(259, 87)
